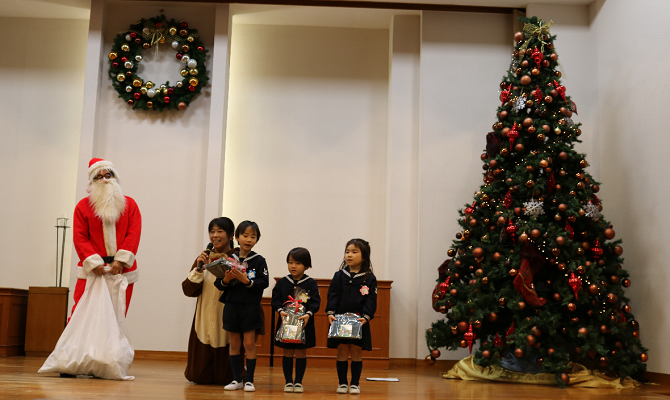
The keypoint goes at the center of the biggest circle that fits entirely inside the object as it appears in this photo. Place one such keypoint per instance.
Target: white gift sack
(96, 340)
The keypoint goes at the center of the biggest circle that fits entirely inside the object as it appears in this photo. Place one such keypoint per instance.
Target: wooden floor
(165, 380)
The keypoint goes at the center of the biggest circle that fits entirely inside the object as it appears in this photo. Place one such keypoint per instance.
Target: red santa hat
(98, 164)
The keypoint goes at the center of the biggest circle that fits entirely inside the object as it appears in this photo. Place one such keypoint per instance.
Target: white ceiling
(79, 9)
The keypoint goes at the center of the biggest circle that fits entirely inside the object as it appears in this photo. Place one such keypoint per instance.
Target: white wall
(306, 141)
(42, 80)
(617, 52)
(162, 161)
(614, 56)
(632, 82)
(463, 58)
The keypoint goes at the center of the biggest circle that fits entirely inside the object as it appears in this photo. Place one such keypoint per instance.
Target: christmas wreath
(147, 33)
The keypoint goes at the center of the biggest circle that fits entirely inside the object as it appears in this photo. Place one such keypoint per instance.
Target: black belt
(108, 260)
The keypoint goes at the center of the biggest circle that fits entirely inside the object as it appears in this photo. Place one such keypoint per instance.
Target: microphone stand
(60, 223)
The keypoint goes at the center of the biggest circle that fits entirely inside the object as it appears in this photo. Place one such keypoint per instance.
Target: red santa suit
(95, 239)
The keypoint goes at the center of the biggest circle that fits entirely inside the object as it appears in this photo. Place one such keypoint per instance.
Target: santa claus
(106, 230)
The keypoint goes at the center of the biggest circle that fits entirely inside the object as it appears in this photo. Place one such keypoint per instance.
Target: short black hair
(364, 247)
(247, 224)
(301, 255)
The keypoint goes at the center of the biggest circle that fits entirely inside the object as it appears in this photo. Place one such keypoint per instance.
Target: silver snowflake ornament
(591, 210)
(533, 208)
(520, 103)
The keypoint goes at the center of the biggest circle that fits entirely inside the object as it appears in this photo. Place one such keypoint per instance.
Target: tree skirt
(580, 376)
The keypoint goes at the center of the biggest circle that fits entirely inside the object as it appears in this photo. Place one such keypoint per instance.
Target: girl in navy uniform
(242, 293)
(298, 261)
(353, 289)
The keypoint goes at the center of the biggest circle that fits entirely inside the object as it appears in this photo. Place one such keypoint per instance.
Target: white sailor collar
(290, 279)
(249, 257)
(348, 273)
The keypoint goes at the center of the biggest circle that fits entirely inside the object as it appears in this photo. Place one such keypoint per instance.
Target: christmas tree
(534, 271)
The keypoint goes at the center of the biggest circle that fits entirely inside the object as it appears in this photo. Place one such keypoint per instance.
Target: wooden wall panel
(321, 356)
(13, 309)
(47, 317)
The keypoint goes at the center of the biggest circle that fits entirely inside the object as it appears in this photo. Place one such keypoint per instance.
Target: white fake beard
(107, 199)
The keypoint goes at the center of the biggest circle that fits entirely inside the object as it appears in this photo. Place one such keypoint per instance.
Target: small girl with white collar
(352, 290)
(298, 261)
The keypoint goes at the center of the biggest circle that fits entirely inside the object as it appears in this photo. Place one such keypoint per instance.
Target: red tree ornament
(538, 94)
(596, 200)
(597, 250)
(511, 230)
(504, 96)
(575, 283)
(560, 89)
(498, 341)
(471, 209)
(571, 232)
(507, 201)
(537, 56)
(573, 107)
(470, 337)
(551, 183)
(622, 318)
(512, 135)
(509, 333)
(443, 287)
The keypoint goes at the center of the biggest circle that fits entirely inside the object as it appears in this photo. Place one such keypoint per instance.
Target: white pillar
(402, 182)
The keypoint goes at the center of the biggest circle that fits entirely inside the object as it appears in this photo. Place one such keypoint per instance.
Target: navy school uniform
(242, 312)
(286, 287)
(354, 294)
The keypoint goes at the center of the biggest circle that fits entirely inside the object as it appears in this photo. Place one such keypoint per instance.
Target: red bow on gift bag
(294, 302)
